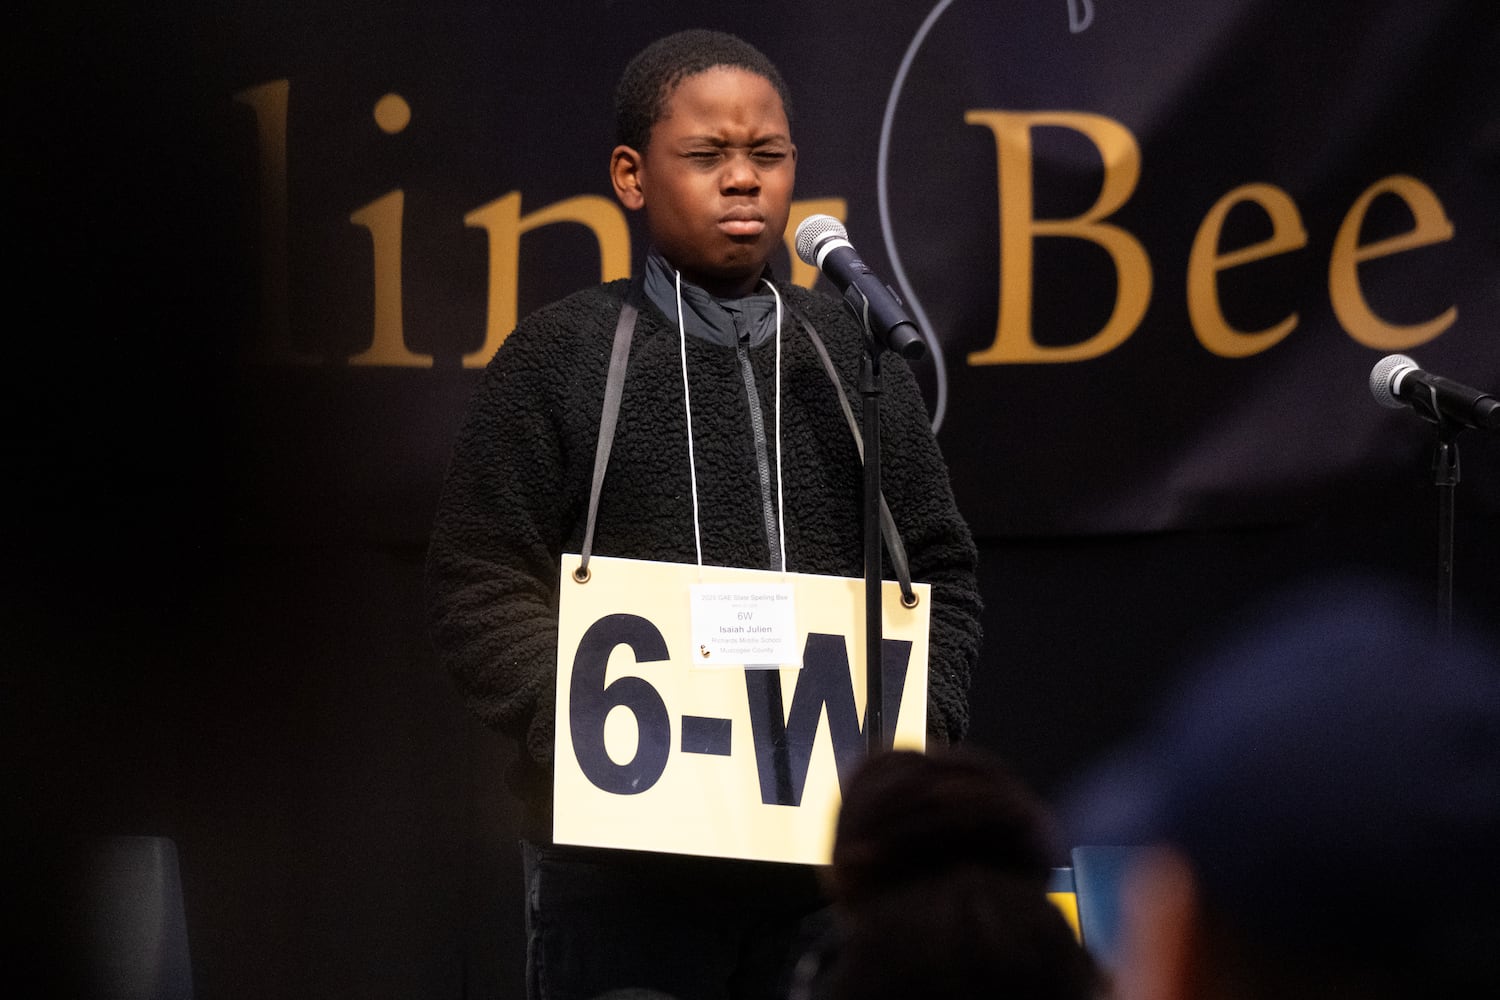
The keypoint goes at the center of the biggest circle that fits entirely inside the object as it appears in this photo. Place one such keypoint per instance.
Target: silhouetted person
(1318, 811)
(939, 881)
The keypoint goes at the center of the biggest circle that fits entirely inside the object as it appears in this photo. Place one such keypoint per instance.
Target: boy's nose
(740, 175)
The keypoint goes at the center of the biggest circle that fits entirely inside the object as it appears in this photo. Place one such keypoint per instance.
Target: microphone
(823, 242)
(1396, 381)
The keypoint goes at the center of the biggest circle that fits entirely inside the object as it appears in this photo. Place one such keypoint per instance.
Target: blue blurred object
(1098, 872)
(134, 927)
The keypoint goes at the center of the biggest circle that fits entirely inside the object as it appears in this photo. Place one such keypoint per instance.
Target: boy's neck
(723, 320)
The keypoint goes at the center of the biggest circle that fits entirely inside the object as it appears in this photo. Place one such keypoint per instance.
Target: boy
(705, 151)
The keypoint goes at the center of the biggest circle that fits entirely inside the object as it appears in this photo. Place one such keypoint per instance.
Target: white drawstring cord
(687, 405)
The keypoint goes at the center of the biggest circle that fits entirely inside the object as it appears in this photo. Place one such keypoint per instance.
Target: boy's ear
(625, 165)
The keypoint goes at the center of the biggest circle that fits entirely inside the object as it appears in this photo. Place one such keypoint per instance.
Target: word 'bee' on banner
(662, 747)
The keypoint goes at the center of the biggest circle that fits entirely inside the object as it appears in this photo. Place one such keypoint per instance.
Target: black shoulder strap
(614, 386)
(893, 544)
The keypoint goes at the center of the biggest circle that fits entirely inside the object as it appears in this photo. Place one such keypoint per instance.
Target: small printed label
(744, 625)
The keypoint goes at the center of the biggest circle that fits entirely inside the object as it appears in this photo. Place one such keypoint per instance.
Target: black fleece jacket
(517, 489)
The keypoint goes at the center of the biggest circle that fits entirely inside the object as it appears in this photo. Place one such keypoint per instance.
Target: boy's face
(716, 180)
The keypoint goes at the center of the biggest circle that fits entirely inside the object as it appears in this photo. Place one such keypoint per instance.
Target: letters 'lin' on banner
(660, 750)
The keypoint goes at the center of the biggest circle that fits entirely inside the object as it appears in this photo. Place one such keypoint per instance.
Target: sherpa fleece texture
(517, 489)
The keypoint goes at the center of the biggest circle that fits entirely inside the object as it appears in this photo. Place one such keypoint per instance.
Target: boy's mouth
(742, 222)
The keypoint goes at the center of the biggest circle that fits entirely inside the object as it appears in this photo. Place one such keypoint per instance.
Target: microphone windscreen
(812, 231)
(1383, 378)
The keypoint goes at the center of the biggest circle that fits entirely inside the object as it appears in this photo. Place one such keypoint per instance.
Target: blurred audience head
(1318, 810)
(939, 884)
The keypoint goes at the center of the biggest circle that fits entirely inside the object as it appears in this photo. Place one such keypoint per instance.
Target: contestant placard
(655, 752)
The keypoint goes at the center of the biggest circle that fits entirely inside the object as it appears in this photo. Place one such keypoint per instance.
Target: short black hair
(650, 78)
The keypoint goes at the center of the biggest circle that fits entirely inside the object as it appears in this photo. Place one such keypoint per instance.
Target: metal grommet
(910, 601)
(582, 574)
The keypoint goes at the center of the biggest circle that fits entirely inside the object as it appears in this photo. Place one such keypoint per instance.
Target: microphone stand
(870, 391)
(884, 329)
(1445, 476)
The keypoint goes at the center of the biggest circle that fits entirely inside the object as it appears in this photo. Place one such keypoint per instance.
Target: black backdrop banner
(1156, 247)
(256, 253)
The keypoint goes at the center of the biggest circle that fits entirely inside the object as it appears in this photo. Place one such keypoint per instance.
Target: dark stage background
(258, 252)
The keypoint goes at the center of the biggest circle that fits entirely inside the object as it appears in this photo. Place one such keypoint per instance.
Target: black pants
(690, 928)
